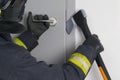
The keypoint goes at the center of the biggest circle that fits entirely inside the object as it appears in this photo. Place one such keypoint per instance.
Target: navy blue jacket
(16, 63)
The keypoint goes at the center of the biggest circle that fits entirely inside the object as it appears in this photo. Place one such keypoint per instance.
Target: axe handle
(100, 63)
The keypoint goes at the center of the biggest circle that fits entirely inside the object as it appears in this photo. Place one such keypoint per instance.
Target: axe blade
(70, 24)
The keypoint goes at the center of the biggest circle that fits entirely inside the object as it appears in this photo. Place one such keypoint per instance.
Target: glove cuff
(29, 39)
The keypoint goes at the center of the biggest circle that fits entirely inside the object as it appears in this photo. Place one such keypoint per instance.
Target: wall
(103, 18)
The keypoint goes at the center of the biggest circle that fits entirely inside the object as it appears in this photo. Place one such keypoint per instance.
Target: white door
(55, 43)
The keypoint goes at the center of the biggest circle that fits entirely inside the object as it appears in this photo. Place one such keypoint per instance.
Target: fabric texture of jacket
(16, 63)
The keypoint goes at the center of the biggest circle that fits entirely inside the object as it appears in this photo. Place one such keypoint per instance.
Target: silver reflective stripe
(82, 62)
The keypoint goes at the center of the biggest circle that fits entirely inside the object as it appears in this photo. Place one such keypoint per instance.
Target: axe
(80, 19)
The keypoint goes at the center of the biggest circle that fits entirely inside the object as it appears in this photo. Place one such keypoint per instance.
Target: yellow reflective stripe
(79, 64)
(0, 11)
(82, 61)
(82, 57)
(19, 42)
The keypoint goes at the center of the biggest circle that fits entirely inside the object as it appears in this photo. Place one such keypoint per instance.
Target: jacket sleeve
(20, 65)
(27, 40)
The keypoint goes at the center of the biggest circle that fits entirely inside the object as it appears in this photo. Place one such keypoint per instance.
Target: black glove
(90, 48)
(38, 28)
(94, 42)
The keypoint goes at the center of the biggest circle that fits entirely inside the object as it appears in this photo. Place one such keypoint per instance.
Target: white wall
(103, 19)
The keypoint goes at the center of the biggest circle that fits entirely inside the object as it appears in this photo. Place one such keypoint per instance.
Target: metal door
(54, 44)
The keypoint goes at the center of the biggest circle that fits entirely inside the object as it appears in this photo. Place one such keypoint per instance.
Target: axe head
(76, 19)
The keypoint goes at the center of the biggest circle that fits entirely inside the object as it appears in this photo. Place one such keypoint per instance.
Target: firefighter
(16, 62)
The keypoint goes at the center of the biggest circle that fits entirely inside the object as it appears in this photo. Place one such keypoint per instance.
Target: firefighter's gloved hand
(95, 43)
(90, 48)
(37, 28)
